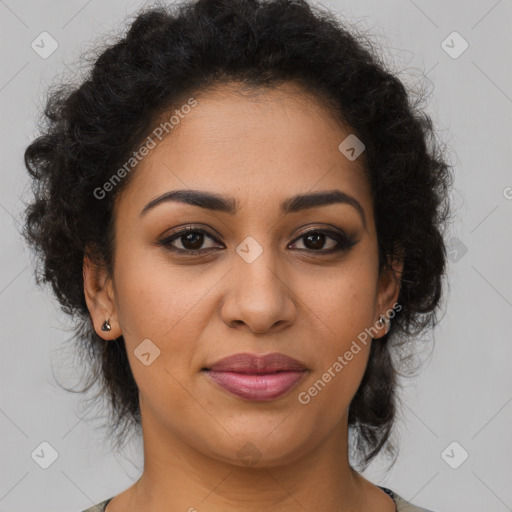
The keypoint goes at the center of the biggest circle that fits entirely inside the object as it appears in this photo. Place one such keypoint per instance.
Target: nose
(258, 296)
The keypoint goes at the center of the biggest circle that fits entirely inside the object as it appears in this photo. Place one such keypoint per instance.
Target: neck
(178, 477)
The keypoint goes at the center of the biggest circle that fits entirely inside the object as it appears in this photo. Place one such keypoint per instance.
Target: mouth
(256, 378)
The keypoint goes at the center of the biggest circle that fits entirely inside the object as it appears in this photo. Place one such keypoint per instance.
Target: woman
(243, 210)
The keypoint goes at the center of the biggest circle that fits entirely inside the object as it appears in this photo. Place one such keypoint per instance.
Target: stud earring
(384, 321)
(106, 326)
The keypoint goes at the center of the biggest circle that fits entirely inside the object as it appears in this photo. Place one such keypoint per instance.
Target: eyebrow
(212, 201)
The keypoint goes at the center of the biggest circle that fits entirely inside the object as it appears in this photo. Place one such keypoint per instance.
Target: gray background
(464, 391)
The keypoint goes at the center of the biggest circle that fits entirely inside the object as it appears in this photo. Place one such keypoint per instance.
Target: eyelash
(344, 242)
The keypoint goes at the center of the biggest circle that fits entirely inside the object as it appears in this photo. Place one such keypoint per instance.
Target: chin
(260, 450)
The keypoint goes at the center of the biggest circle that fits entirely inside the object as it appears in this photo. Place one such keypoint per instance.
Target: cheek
(326, 398)
(158, 303)
(152, 297)
(345, 304)
(341, 354)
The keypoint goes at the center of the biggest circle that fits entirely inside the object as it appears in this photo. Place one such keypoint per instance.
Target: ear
(100, 299)
(388, 287)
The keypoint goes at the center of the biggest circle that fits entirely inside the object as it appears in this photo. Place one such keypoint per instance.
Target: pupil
(192, 239)
(317, 240)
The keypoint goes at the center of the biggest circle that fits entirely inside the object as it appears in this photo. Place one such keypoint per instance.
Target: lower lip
(257, 388)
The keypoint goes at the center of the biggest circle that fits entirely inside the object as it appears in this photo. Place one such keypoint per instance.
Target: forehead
(252, 144)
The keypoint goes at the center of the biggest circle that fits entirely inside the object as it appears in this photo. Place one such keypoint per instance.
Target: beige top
(401, 504)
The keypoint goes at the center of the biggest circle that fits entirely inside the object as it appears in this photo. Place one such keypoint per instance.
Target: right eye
(190, 239)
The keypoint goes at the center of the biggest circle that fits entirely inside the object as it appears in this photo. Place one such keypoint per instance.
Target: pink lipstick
(257, 378)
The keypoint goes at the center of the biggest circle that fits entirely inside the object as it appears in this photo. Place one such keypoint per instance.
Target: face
(251, 271)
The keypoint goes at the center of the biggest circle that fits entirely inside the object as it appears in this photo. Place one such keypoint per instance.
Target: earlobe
(390, 279)
(389, 289)
(100, 299)
(390, 286)
(384, 321)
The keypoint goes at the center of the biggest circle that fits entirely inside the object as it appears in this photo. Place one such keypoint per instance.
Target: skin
(260, 149)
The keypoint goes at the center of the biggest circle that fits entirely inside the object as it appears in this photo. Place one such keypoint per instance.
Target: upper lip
(253, 363)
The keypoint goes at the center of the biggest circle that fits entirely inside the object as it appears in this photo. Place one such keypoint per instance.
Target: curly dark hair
(171, 52)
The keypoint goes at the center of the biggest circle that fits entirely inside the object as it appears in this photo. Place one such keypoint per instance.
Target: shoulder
(100, 507)
(403, 505)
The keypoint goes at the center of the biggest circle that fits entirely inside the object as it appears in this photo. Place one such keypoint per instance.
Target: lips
(256, 378)
(252, 363)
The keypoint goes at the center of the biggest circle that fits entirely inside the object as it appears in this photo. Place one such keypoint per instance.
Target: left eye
(315, 240)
